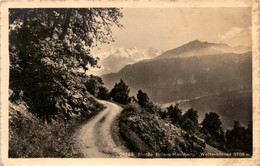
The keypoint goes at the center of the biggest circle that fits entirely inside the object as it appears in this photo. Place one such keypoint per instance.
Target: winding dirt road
(95, 138)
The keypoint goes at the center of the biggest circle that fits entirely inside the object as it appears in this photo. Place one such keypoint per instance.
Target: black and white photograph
(130, 82)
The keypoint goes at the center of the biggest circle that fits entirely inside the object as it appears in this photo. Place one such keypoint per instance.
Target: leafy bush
(30, 137)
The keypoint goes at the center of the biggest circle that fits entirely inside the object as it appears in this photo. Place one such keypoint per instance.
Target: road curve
(95, 140)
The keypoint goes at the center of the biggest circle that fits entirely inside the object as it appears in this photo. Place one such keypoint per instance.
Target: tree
(192, 115)
(190, 120)
(142, 99)
(239, 138)
(120, 93)
(103, 93)
(162, 114)
(248, 140)
(175, 114)
(93, 83)
(48, 45)
(212, 124)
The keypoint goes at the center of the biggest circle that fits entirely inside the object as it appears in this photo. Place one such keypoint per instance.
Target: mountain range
(115, 59)
(171, 76)
(196, 69)
(198, 48)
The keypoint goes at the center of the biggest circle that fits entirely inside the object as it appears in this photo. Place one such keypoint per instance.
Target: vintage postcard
(130, 82)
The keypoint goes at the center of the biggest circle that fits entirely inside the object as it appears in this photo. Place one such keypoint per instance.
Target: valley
(208, 77)
(230, 106)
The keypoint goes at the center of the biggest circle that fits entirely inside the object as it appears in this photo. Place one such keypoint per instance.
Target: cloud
(231, 33)
(237, 36)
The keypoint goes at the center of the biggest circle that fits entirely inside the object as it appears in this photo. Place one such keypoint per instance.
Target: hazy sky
(167, 28)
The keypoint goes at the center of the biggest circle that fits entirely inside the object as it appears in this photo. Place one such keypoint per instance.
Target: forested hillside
(150, 131)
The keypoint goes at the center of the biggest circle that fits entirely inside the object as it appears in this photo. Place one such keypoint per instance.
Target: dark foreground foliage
(29, 137)
(239, 139)
(47, 46)
(147, 135)
(49, 55)
(120, 93)
(148, 130)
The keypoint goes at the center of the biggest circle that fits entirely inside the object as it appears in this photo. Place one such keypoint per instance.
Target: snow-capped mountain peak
(116, 58)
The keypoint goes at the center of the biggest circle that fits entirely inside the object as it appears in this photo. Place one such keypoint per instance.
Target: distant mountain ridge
(198, 48)
(115, 59)
(173, 76)
(169, 79)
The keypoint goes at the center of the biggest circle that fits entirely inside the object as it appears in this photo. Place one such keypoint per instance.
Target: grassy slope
(30, 137)
(147, 135)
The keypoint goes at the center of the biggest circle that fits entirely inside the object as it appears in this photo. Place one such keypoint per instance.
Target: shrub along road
(94, 139)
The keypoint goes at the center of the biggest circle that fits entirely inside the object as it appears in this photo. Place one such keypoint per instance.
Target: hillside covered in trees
(150, 131)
